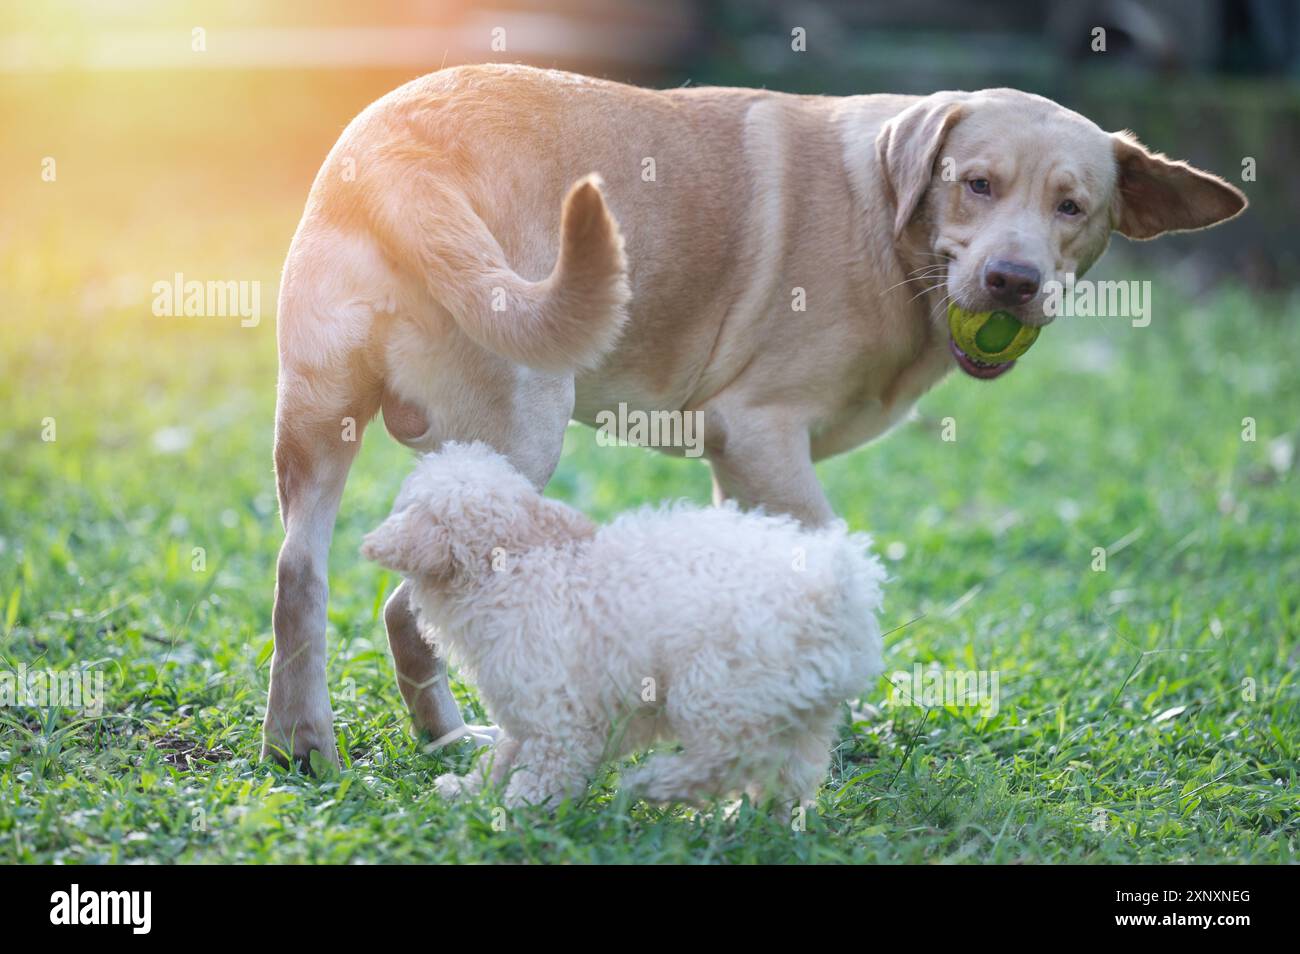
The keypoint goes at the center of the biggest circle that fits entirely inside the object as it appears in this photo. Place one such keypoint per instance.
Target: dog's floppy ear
(410, 542)
(907, 147)
(1156, 194)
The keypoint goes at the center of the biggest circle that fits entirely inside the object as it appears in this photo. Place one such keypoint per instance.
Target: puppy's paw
(862, 711)
(452, 786)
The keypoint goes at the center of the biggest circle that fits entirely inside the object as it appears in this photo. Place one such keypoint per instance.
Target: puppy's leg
(493, 768)
(701, 772)
(551, 769)
(806, 762)
(767, 462)
(798, 780)
(662, 777)
(709, 764)
(694, 775)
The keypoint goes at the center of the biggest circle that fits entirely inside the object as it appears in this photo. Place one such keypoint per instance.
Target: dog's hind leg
(314, 449)
(328, 391)
(421, 674)
(439, 389)
(422, 677)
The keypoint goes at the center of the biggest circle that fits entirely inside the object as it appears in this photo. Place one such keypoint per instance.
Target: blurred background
(185, 134)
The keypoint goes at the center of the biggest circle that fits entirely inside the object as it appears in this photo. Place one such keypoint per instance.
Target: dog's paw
(478, 736)
(303, 740)
(483, 735)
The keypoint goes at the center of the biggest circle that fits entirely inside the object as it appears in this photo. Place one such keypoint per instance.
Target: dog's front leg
(767, 462)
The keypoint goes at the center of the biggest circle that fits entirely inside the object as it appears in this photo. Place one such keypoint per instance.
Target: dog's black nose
(1011, 283)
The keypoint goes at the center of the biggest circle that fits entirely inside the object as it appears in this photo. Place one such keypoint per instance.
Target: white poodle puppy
(735, 634)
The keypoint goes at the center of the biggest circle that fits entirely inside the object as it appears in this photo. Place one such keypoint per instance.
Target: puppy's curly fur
(734, 634)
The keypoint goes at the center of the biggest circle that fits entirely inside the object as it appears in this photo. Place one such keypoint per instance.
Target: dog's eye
(1069, 207)
(979, 186)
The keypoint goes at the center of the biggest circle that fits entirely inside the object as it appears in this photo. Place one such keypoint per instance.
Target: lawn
(1147, 709)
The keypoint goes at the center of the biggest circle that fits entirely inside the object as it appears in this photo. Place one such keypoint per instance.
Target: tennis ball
(994, 337)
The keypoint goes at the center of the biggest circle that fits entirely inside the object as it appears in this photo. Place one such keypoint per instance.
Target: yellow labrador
(777, 263)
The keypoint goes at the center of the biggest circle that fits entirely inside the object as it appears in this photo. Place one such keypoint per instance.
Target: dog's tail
(566, 321)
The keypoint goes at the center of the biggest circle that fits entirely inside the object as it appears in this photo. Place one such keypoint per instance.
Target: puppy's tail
(565, 322)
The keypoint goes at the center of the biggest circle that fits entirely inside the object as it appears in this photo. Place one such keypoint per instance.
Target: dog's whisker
(943, 304)
(919, 278)
(927, 291)
(921, 274)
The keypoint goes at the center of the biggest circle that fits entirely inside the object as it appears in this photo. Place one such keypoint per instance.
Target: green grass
(1124, 732)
